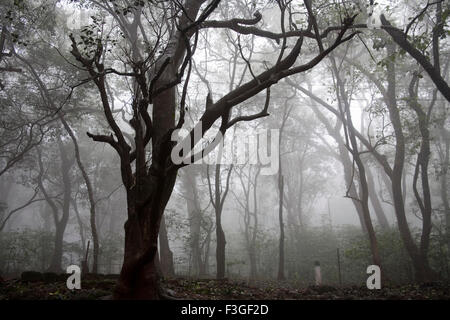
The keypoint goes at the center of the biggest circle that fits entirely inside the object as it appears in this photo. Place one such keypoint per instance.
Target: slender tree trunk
(381, 217)
(220, 235)
(281, 275)
(423, 159)
(218, 200)
(280, 220)
(387, 183)
(60, 224)
(204, 266)
(365, 206)
(422, 269)
(352, 144)
(343, 157)
(220, 250)
(80, 225)
(194, 217)
(253, 249)
(56, 260)
(90, 191)
(252, 258)
(166, 255)
(445, 163)
(352, 192)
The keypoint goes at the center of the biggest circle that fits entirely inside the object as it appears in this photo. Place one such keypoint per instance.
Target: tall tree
(60, 216)
(149, 188)
(217, 198)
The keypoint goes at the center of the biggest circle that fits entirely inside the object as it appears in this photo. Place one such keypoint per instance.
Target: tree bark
(60, 224)
(342, 155)
(139, 278)
(381, 217)
(220, 234)
(445, 162)
(400, 39)
(220, 249)
(80, 225)
(281, 275)
(420, 262)
(90, 191)
(194, 217)
(165, 254)
(148, 197)
(352, 145)
(149, 189)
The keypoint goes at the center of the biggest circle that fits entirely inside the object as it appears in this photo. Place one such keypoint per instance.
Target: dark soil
(53, 287)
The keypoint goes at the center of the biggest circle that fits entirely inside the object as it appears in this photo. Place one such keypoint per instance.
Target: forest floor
(101, 287)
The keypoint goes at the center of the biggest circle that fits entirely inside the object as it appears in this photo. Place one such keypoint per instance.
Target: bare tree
(149, 187)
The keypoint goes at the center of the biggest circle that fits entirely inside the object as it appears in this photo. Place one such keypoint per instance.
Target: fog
(330, 122)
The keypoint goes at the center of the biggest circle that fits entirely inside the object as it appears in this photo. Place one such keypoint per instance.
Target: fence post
(339, 266)
(317, 273)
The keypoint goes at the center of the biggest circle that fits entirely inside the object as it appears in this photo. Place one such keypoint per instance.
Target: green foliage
(394, 257)
(321, 244)
(25, 250)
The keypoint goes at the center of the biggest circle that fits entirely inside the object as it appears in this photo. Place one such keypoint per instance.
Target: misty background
(48, 105)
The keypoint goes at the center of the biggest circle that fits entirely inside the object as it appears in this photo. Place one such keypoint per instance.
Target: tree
(401, 39)
(60, 219)
(286, 112)
(249, 183)
(396, 172)
(149, 188)
(344, 102)
(217, 198)
(23, 125)
(196, 217)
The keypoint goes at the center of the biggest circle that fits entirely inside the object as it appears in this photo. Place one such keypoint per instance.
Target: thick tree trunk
(139, 278)
(147, 200)
(148, 189)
